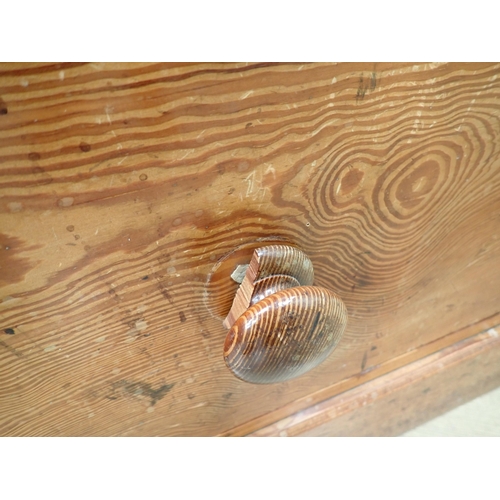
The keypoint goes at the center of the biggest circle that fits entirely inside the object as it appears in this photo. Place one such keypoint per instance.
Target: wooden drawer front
(123, 184)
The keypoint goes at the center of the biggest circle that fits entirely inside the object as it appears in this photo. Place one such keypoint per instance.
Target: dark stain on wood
(182, 317)
(366, 85)
(139, 389)
(85, 147)
(365, 359)
(3, 107)
(34, 156)
(13, 268)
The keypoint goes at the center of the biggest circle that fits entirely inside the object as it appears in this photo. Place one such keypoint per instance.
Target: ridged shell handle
(287, 331)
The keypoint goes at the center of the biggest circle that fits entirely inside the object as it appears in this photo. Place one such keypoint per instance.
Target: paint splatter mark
(66, 201)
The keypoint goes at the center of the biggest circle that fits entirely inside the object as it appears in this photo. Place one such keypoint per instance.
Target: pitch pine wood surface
(122, 185)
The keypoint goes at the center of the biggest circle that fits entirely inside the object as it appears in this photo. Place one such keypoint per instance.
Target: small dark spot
(373, 347)
(227, 395)
(231, 191)
(175, 355)
(144, 278)
(34, 156)
(373, 81)
(3, 111)
(191, 396)
(249, 125)
(70, 228)
(77, 237)
(143, 177)
(9, 331)
(111, 292)
(221, 169)
(85, 147)
(182, 317)
(426, 390)
(125, 122)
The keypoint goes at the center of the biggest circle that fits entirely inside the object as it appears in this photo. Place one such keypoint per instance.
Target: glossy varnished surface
(282, 259)
(122, 185)
(272, 284)
(285, 335)
(263, 273)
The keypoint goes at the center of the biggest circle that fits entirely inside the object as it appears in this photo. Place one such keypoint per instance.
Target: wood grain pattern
(122, 185)
(285, 335)
(281, 259)
(405, 398)
(270, 285)
(268, 262)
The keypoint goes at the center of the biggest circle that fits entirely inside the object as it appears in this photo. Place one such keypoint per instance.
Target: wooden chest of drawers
(123, 185)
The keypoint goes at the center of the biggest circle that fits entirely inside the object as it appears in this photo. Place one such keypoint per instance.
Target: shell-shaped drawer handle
(280, 326)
